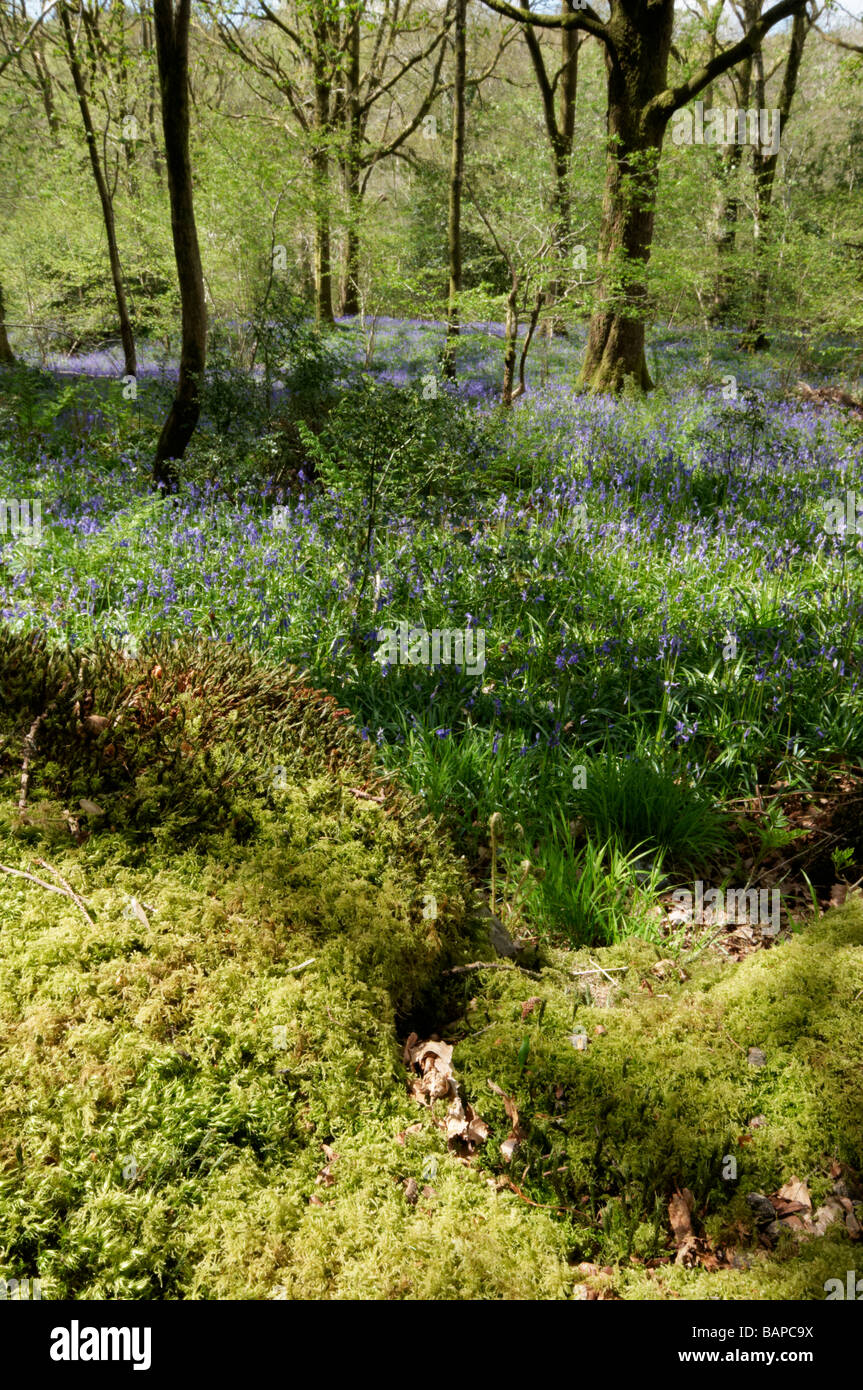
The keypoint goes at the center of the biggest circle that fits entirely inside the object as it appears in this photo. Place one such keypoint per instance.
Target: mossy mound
(662, 1096)
(204, 1094)
(172, 1037)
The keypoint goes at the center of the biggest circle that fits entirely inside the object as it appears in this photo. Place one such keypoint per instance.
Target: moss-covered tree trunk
(636, 39)
(637, 67)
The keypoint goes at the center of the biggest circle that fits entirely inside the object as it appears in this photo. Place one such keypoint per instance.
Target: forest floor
(244, 1055)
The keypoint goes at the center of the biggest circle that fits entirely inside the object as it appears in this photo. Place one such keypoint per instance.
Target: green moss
(171, 1078)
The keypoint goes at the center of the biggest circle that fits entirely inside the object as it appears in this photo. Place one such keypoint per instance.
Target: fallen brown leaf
(795, 1191)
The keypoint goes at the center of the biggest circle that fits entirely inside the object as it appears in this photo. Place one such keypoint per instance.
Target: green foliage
(642, 803)
(394, 448)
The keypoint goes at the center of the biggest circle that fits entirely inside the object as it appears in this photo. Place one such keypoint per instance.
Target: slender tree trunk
(171, 18)
(764, 164)
(321, 184)
(726, 214)
(510, 342)
(147, 48)
(637, 65)
(560, 129)
(351, 295)
(456, 178)
(127, 337)
(46, 88)
(724, 236)
(7, 357)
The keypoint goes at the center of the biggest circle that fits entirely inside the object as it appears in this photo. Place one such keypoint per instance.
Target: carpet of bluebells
(655, 579)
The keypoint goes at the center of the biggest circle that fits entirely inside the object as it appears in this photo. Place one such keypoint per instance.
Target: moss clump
(204, 1095)
(665, 1096)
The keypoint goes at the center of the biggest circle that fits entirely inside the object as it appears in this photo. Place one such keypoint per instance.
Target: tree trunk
(321, 184)
(724, 236)
(510, 343)
(46, 89)
(560, 129)
(455, 187)
(147, 48)
(764, 162)
(171, 19)
(726, 213)
(351, 293)
(637, 67)
(127, 337)
(7, 356)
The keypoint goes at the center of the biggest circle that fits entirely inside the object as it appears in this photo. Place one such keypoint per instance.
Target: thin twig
(76, 897)
(544, 1206)
(730, 1039)
(492, 965)
(19, 873)
(601, 971)
(576, 974)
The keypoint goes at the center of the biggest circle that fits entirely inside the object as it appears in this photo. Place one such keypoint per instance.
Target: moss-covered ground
(204, 1092)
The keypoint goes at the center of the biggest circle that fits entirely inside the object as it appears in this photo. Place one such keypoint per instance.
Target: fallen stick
(29, 747)
(601, 971)
(76, 898)
(492, 965)
(19, 873)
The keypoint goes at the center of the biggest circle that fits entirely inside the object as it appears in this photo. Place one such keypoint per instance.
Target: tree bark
(510, 342)
(637, 42)
(351, 294)
(725, 219)
(637, 70)
(321, 184)
(726, 214)
(764, 164)
(127, 337)
(171, 20)
(46, 89)
(456, 179)
(560, 129)
(7, 356)
(147, 48)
